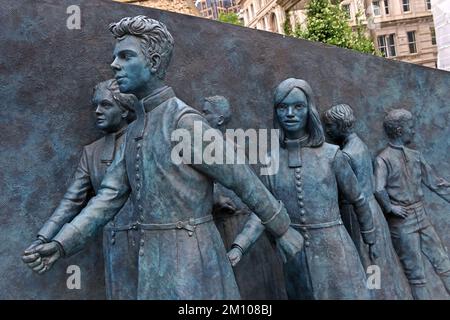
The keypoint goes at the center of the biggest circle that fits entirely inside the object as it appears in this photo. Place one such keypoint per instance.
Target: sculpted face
(213, 115)
(131, 68)
(292, 112)
(408, 132)
(110, 117)
(333, 130)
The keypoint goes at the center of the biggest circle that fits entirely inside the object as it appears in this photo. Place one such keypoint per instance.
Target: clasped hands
(40, 255)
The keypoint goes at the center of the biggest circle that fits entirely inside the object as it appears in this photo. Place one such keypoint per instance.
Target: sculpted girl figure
(311, 173)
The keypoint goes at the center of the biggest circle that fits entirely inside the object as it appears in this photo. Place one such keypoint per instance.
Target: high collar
(397, 146)
(157, 97)
(347, 139)
(110, 145)
(294, 147)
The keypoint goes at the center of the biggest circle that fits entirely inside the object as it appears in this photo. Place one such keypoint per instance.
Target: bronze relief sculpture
(113, 110)
(259, 274)
(339, 123)
(311, 174)
(181, 254)
(399, 175)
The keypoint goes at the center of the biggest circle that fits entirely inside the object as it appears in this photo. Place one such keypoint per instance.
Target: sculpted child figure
(399, 175)
(113, 110)
(339, 123)
(259, 275)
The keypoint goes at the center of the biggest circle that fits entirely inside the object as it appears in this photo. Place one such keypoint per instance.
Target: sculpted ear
(399, 131)
(125, 114)
(155, 62)
(220, 120)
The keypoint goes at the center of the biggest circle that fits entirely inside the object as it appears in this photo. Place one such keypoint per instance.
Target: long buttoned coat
(328, 267)
(174, 263)
(119, 248)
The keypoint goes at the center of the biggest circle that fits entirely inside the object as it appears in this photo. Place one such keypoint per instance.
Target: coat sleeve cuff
(70, 239)
(49, 230)
(369, 236)
(279, 223)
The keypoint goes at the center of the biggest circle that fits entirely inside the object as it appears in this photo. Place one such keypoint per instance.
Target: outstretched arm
(111, 197)
(242, 180)
(73, 201)
(435, 183)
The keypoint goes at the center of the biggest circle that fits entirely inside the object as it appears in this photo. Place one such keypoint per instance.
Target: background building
(211, 9)
(401, 29)
(441, 13)
(180, 6)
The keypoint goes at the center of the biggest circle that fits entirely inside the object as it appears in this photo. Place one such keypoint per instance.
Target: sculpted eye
(299, 106)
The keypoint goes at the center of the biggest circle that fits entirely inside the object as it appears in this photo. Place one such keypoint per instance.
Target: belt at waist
(417, 205)
(188, 225)
(318, 225)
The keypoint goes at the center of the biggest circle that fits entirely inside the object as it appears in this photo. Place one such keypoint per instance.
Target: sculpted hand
(289, 244)
(234, 255)
(226, 204)
(373, 252)
(399, 211)
(44, 256)
(30, 257)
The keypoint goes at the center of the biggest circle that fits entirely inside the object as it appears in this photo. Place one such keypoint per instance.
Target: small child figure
(399, 174)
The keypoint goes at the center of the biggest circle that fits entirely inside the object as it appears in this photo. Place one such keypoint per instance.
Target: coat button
(298, 183)
(306, 236)
(140, 208)
(141, 217)
(299, 190)
(303, 229)
(302, 220)
(138, 156)
(300, 197)
(302, 212)
(307, 244)
(141, 252)
(301, 204)
(297, 170)
(138, 197)
(142, 242)
(298, 176)
(138, 177)
(137, 167)
(138, 146)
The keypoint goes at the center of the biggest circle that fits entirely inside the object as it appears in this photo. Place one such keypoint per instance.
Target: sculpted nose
(290, 113)
(114, 65)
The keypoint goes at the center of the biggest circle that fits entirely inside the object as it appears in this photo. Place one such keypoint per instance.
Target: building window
(433, 36)
(386, 6)
(412, 41)
(376, 8)
(428, 3)
(386, 45)
(252, 10)
(405, 5)
(346, 9)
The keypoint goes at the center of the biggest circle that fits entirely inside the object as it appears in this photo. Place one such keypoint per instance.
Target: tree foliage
(328, 23)
(230, 17)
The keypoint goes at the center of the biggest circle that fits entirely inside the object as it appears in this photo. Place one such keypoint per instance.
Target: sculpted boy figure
(399, 175)
(113, 110)
(339, 123)
(259, 274)
(181, 254)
